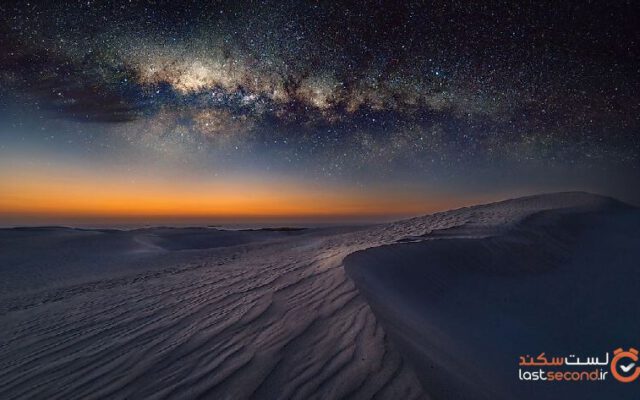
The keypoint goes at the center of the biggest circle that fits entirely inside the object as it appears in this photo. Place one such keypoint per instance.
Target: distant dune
(441, 308)
(34, 257)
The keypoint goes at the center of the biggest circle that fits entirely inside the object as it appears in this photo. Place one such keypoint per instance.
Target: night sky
(234, 110)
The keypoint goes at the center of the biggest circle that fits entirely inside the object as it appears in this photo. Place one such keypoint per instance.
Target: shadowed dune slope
(553, 273)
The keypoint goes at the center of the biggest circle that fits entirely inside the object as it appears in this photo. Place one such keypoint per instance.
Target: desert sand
(439, 306)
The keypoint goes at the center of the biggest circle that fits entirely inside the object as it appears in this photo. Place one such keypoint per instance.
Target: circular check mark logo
(625, 361)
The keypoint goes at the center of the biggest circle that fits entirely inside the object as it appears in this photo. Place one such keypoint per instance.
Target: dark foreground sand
(267, 319)
(456, 298)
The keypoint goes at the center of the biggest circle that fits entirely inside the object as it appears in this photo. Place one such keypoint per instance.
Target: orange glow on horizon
(68, 191)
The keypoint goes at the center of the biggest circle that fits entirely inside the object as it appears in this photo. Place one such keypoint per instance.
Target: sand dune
(554, 273)
(276, 317)
(33, 258)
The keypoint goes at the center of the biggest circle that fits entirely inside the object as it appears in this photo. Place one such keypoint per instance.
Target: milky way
(358, 90)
